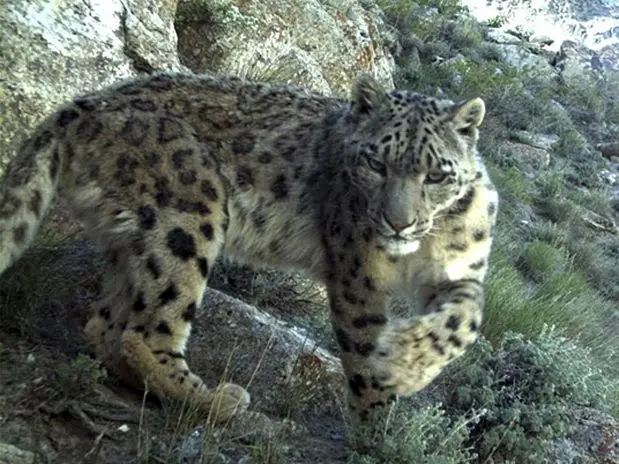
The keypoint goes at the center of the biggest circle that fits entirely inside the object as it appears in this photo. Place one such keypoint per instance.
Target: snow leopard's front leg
(415, 351)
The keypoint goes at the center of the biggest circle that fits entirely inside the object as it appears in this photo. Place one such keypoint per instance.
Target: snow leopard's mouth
(396, 245)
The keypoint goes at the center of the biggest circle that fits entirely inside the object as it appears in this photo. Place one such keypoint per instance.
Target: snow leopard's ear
(368, 96)
(469, 115)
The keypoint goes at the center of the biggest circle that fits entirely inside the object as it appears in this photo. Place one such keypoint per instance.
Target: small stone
(10, 454)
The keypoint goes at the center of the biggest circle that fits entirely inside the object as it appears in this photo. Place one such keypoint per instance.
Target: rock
(609, 150)
(594, 24)
(542, 141)
(316, 43)
(150, 37)
(609, 177)
(10, 454)
(502, 37)
(522, 58)
(50, 53)
(599, 222)
(577, 65)
(528, 158)
(541, 39)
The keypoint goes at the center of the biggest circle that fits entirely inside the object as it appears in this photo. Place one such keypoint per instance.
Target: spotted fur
(378, 195)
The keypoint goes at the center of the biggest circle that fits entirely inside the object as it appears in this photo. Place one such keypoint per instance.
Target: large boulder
(317, 43)
(52, 51)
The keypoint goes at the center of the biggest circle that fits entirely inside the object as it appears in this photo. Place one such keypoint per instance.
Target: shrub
(405, 435)
(543, 260)
(529, 390)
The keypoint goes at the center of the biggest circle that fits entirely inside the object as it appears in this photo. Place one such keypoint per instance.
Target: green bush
(496, 21)
(543, 260)
(405, 435)
(569, 144)
(528, 390)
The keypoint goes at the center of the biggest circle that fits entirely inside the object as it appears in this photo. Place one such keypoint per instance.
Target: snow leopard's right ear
(368, 96)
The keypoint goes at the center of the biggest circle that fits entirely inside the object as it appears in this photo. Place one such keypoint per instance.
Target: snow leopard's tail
(26, 192)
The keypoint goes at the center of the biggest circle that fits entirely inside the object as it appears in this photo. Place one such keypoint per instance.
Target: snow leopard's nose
(397, 226)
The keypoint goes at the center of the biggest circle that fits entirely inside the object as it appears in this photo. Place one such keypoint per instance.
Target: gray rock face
(52, 51)
(320, 44)
(592, 26)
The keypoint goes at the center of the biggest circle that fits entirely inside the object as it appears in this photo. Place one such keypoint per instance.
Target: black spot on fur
(126, 165)
(265, 158)
(66, 116)
(179, 156)
(259, 219)
(178, 108)
(479, 235)
(152, 264)
(190, 313)
(169, 129)
(298, 172)
(152, 159)
(163, 328)
(169, 294)
(42, 140)
(163, 194)
(365, 348)
(473, 327)
(334, 228)
(148, 217)
(357, 384)
(55, 163)
(244, 143)
(89, 129)
(207, 230)
(138, 245)
(275, 247)
(491, 209)
(476, 266)
(85, 104)
(192, 207)
(458, 246)
(453, 322)
(208, 190)
(188, 177)
(343, 340)
(369, 283)
(464, 203)
(454, 340)
(160, 82)
(105, 313)
(362, 322)
(203, 266)
(244, 177)
(181, 244)
(350, 298)
(35, 202)
(143, 105)
(19, 233)
(139, 304)
(134, 131)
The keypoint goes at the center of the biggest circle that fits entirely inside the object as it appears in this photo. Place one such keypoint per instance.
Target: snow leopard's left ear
(368, 96)
(468, 115)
